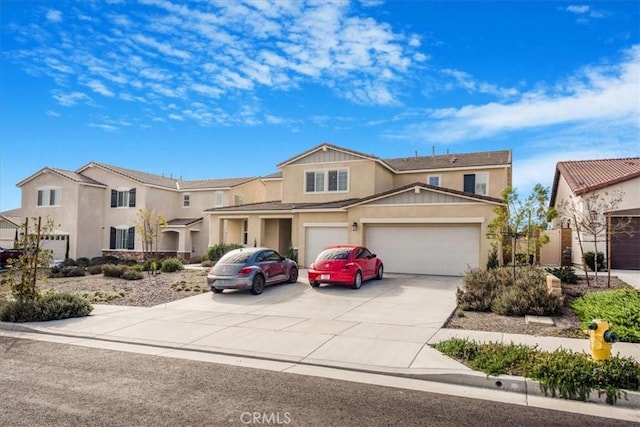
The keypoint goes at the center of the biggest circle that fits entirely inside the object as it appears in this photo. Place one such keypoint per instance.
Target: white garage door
(318, 238)
(57, 244)
(442, 250)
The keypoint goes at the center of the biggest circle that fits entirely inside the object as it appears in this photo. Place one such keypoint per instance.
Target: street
(45, 383)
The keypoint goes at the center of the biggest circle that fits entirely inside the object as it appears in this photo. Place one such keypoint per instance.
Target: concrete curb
(463, 377)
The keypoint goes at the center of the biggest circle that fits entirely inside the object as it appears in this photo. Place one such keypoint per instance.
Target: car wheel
(216, 290)
(258, 284)
(380, 272)
(357, 282)
(293, 275)
(314, 284)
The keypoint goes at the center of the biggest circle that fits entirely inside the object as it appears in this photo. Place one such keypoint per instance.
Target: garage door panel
(441, 250)
(318, 238)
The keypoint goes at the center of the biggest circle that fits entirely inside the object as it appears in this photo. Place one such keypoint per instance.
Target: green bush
(493, 262)
(101, 260)
(100, 297)
(58, 272)
(47, 307)
(131, 274)
(216, 252)
(479, 288)
(195, 260)
(69, 262)
(566, 274)
(83, 262)
(94, 269)
(111, 270)
(170, 265)
(590, 258)
(207, 263)
(562, 373)
(620, 307)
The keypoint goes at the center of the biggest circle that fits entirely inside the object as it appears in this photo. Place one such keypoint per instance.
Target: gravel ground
(147, 292)
(567, 323)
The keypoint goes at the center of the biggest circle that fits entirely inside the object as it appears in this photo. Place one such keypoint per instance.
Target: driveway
(383, 325)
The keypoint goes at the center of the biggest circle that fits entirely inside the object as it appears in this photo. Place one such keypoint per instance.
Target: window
(238, 200)
(476, 183)
(328, 180)
(122, 238)
(434, 180)
(363, 253)
(218, 200)
(49, 196)
(123, 198)
(245, 232)
(186, 200)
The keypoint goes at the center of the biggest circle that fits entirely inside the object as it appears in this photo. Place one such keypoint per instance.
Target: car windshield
(237, 258)
(334, 254)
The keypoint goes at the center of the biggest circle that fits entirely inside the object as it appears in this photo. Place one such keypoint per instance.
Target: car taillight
(246, 270)
(211, 270)
(311, 266)
(348, 266)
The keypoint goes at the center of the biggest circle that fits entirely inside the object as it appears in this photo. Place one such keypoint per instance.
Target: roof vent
(452, 159)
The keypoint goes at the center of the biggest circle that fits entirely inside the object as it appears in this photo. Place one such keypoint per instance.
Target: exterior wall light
(354, 226)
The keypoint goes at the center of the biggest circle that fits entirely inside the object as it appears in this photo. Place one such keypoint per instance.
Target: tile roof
(584, 176)
(459, 160)
(183, 221)
(74, 176)
(214, 183)
(325, 144)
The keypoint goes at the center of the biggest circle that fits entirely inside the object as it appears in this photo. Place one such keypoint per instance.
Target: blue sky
(217, 89)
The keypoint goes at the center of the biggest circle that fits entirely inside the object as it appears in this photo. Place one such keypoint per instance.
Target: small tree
(517, 219)
(148, 226)
(591, 218)
(23, 271)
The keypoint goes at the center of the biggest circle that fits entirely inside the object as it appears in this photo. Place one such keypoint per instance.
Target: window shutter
(310, 184)
(114, 198)
(131, 238)
(40, 196)
(132, 198)
(112, 238)
(470, 183)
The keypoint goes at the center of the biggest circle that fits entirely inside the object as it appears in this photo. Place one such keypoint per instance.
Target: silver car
(251, 269)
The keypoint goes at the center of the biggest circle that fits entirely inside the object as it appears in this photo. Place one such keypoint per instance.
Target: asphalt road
(63, 385)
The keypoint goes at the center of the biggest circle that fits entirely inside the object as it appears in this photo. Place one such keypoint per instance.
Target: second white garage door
(431, 249)
(318, 238)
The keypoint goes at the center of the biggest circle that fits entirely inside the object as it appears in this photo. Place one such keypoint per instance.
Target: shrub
(170, 265)
(83, 262)
(69, 262)
(292, 254)
(208, 263)
(58, 272)
(195, 260)
(94, 269)
(99, 297)
(131, 274)
(528, 295)
(137, 267)
(111, 270)
(620, 307)
(478, 290)
(566, 274)
(216, 252)
(47, 307)
(492, 261)
(590, 259)
(562, 373)
(101, 260)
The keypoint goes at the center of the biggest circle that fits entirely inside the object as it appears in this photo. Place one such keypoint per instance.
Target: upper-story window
(123, 198)
(434, 180)
(122, 237)
(49, 196)
(477, 183)
(331, 180)
(186, 200)
(218, 199)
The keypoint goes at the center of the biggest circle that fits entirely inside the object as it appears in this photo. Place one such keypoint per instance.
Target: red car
(346, 265)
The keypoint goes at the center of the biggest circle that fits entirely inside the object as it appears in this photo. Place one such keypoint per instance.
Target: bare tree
(591, 218)
(148, 226)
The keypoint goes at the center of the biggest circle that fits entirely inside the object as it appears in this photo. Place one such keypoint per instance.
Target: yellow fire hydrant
(600, 339)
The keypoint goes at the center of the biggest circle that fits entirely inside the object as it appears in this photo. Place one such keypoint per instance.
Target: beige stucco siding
(273, 189)
(86, 242)
(250, 192)
(362, 181)
(499, 178)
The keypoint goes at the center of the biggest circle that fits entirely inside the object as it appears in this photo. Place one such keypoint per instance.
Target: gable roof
(168, 182)
(325, 146)
(584, 176)
(70, 175)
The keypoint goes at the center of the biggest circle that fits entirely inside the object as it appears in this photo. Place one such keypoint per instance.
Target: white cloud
(105, 127)
(577, 9)
(54, 16)
(51, 113)
(69, 99)
(99, 87)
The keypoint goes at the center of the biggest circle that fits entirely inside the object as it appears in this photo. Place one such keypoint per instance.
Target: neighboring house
(95, 208)
(419, 214)
(578, 179)
(10, 222)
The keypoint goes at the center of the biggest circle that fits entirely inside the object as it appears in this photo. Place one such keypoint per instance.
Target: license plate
(324, 277)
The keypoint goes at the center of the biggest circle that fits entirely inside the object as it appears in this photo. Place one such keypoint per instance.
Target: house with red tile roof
(578, 180)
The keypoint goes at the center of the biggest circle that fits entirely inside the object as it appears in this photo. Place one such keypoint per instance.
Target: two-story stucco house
(95, 208)
(419, 214)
